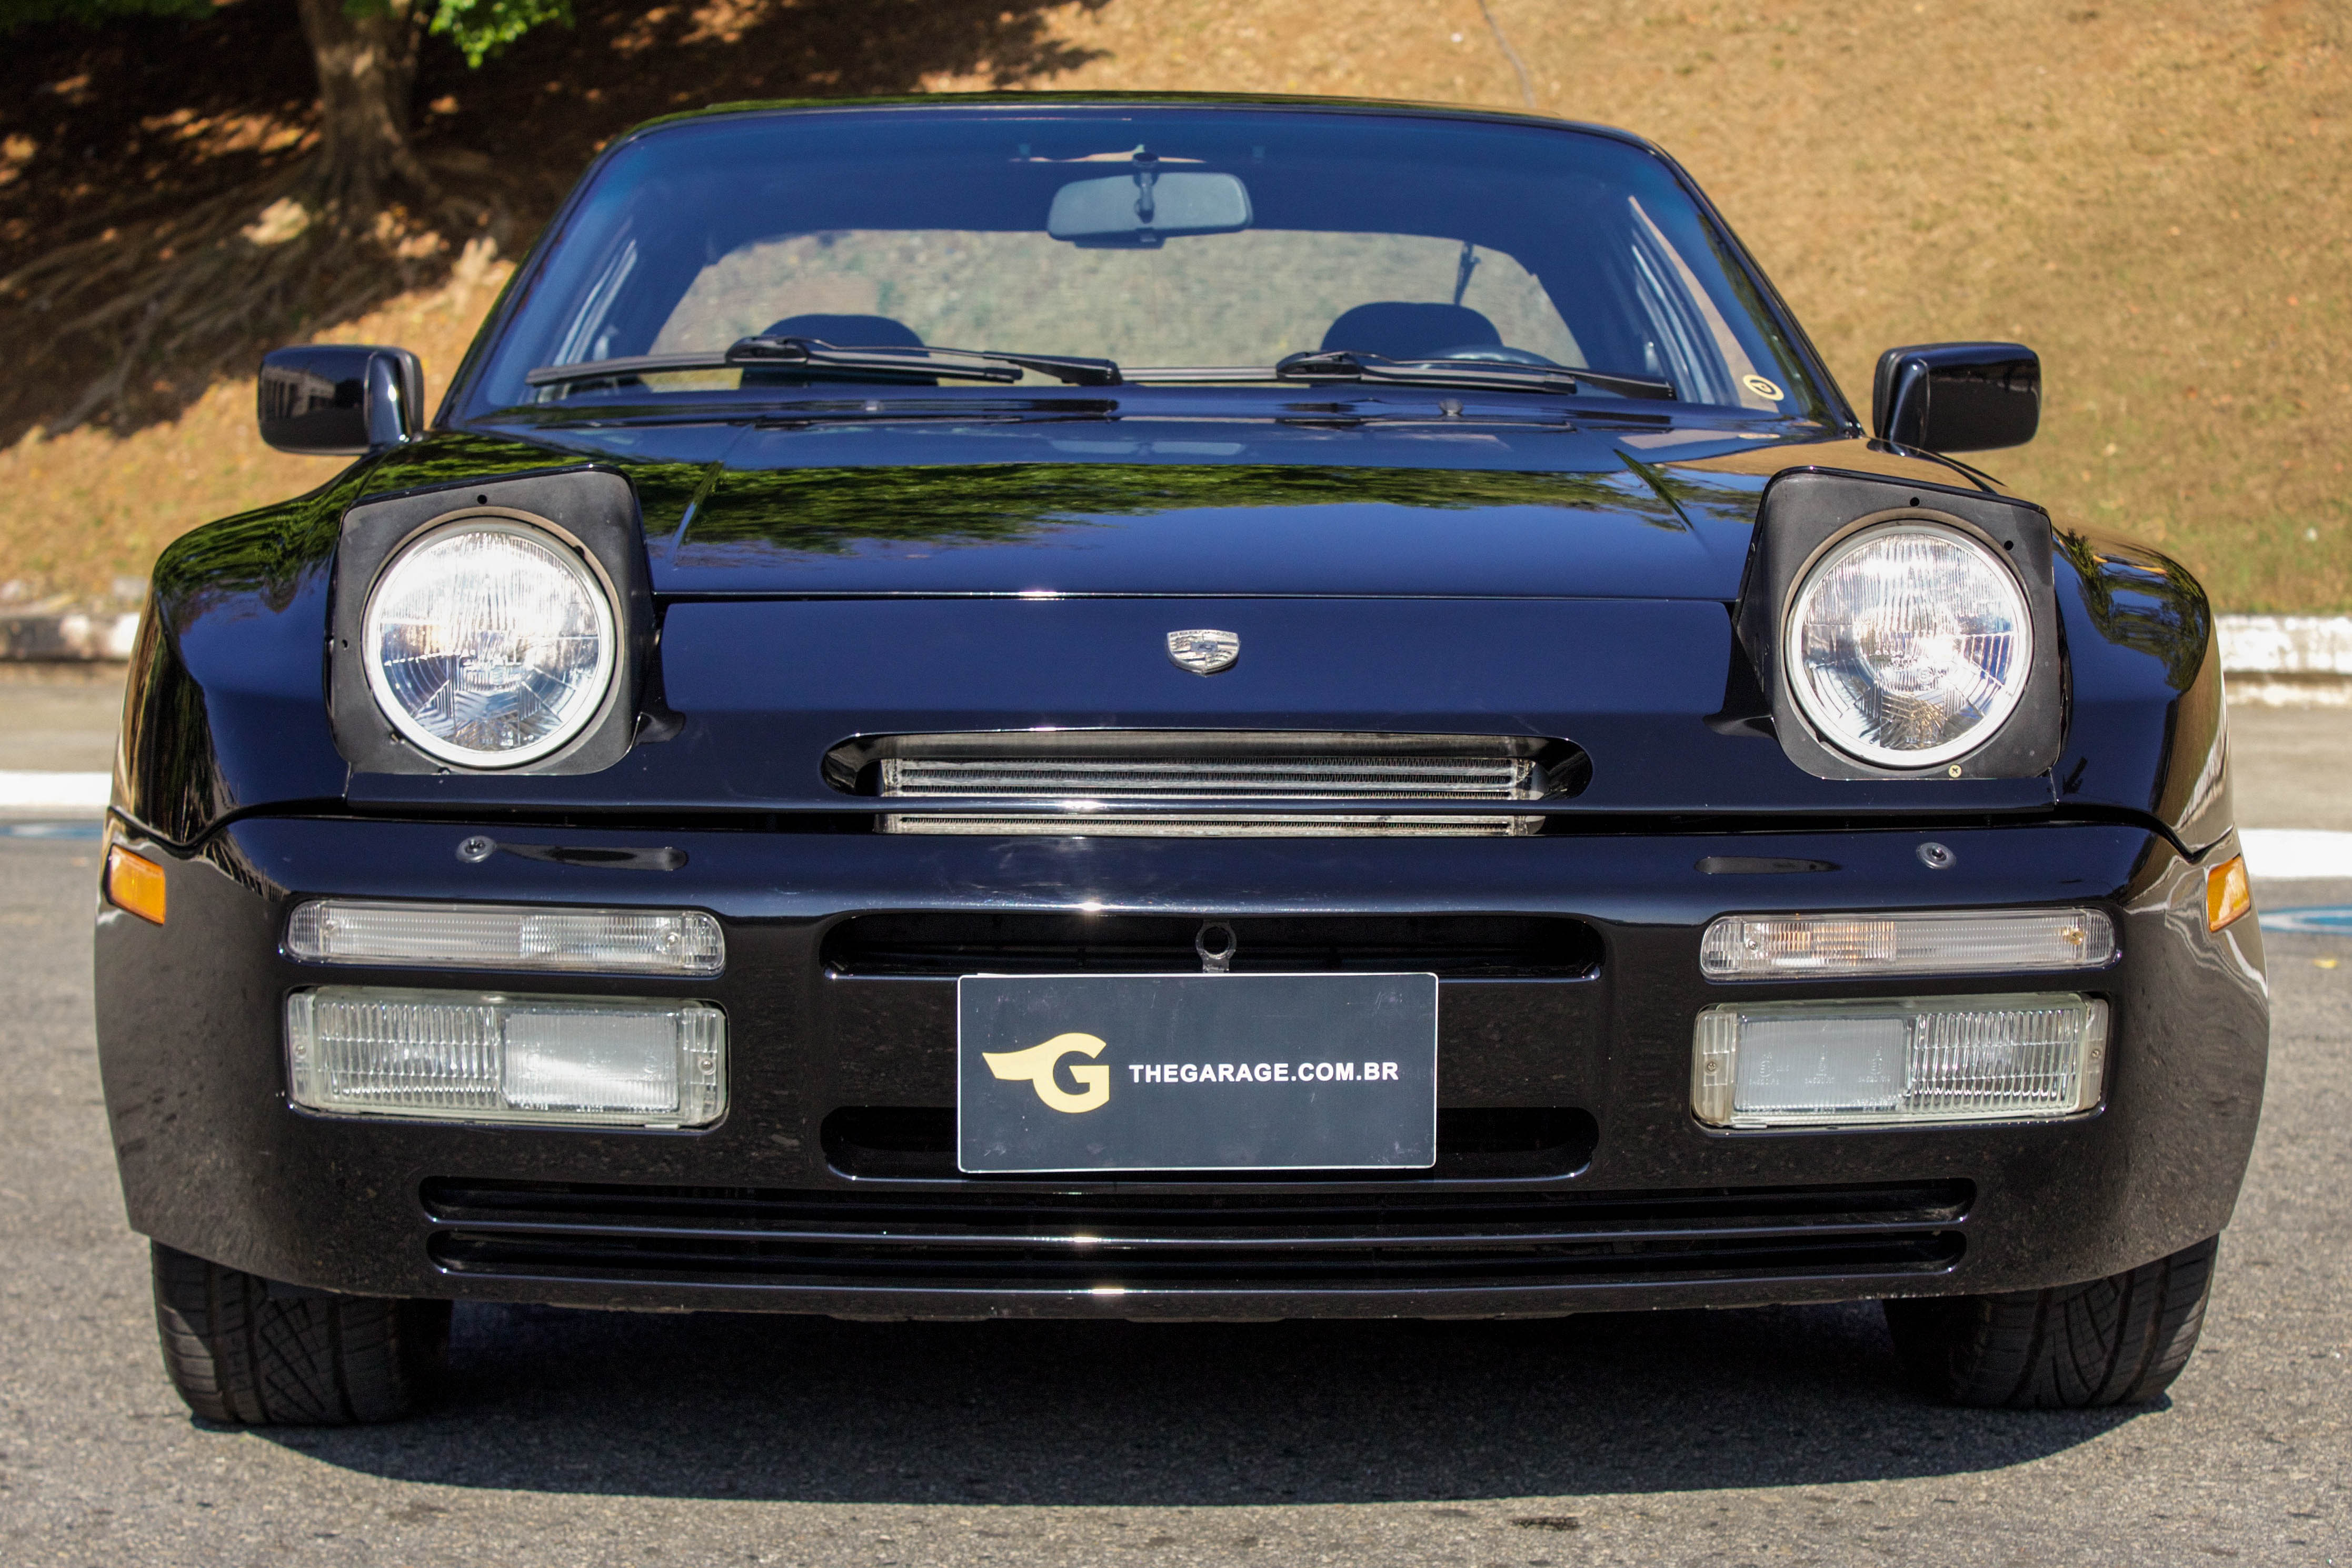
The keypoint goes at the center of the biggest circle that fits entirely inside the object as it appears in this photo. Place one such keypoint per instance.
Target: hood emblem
(1204, 652)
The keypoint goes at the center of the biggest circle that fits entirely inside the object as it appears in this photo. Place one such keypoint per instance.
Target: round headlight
(1909, 644)
(488, 644)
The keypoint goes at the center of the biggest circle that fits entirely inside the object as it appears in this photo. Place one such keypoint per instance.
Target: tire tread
(2121, 1340)
(241, 1357)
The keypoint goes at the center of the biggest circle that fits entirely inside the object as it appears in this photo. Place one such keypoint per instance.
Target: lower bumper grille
(1322, 1240)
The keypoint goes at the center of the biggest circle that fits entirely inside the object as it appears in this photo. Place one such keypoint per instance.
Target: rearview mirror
(340, 398)
(1958, 397)
(1145, 208)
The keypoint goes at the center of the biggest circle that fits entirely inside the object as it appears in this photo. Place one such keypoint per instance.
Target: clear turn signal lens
(1949, 942)
(497, 937)
(449, 1056)
(1950, 1059)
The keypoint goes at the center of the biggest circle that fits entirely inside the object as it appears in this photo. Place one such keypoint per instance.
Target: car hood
(1163, 509)
(1562, 591)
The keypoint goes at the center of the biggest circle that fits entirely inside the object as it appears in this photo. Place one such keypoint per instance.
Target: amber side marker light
(2228, 896)
(134, 882)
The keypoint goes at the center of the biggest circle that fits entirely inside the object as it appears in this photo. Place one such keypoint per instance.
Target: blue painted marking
(87, 830)
(2327, 919)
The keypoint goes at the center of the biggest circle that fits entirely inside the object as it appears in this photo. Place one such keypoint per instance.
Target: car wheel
(2117, 1341)
(239, 1355)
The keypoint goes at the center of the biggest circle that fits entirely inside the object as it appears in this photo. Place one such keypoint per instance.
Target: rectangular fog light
(507, 937)
(1944, 941)
(1950, 1059)
(449, 1055)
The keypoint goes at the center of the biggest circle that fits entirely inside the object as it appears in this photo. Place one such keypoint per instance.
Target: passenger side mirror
(340, 398)
(1958, 397)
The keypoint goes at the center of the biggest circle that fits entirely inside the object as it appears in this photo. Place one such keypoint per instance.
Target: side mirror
(1958, 397)
(340, 398)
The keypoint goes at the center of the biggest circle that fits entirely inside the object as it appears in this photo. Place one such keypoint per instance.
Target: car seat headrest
(848, 331)
(1396, 329)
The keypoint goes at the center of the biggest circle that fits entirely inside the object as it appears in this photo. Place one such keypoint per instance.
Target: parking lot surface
(1755, 1436)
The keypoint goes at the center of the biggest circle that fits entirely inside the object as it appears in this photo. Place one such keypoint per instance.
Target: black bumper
(1575, 1178)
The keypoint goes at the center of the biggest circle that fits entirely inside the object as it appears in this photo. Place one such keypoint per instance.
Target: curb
(75, 634)
(2285, 644)
(2287, 661)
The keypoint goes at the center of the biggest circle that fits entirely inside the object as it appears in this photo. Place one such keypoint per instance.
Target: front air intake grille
(1213, 825)
(1213, 777)
(1132, 783)
(1323, 1240)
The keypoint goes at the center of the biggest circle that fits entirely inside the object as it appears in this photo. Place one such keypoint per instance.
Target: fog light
(581, 1061)
(1949, 942)
(1951, 1059)
(496, 936)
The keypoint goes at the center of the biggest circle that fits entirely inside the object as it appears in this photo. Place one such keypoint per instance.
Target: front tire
(242, 1356)
(2117, 1341)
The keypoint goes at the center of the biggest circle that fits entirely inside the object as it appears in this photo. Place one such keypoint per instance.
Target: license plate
(1188, 1072)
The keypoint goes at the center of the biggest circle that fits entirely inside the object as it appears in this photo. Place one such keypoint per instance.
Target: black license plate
(1178, 1072)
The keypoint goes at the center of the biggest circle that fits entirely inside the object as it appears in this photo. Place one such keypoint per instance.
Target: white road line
(54, 791)
(2279, 854)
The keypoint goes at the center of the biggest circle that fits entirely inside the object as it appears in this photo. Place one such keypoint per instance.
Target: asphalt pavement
(1751, 1436)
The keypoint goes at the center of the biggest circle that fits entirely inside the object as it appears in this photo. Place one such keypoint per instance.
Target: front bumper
(823, 1190)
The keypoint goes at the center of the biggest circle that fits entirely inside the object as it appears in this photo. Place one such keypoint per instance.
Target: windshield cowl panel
(741, 259)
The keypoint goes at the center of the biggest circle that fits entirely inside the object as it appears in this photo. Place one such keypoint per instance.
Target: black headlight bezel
(589, 509)
(1806, 512)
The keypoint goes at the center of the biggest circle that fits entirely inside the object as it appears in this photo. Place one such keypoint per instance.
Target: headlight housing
(1907, 643)
(490, 644)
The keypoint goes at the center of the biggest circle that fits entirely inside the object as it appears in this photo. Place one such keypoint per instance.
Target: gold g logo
(1037, 1064)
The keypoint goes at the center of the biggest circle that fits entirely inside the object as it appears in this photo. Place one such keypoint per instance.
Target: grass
(2152, 194)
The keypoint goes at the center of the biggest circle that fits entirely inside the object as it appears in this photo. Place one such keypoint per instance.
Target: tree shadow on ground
(1207, 1414)
(132, 129)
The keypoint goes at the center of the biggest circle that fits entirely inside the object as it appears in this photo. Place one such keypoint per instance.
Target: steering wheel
(1493, 352)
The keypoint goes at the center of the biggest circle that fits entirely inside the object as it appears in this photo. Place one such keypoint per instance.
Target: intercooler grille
(1220, 778)
(1138, 782)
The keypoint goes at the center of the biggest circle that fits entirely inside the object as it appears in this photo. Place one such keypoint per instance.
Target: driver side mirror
(1958, 397)
(340, 398)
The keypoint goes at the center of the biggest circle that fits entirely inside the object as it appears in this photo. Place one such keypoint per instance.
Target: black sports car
(1374, 738)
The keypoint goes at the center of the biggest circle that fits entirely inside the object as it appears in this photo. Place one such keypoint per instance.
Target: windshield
(1192, 245)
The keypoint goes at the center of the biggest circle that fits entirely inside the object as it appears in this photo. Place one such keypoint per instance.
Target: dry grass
(88, 508)
(2152, 193)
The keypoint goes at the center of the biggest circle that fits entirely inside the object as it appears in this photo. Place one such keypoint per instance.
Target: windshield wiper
(814, 353)
(1476, 375)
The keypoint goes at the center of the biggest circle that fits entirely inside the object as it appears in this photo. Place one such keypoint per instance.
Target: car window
(1186, 237)
(1242, 298)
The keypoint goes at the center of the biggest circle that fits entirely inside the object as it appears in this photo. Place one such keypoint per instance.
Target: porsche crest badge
(1204, 652)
